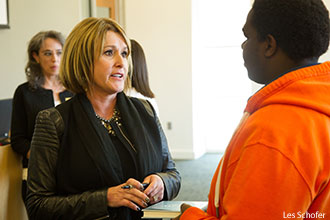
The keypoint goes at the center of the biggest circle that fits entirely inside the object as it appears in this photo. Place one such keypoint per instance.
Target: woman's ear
(270, 46)
(35, 56)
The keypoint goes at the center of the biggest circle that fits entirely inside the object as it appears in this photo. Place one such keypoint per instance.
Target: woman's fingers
(134, 183)
(136, 196)
(127, 195)
(155, 190)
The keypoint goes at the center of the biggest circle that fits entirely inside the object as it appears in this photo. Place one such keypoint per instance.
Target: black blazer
(27, 103)
(73, 161)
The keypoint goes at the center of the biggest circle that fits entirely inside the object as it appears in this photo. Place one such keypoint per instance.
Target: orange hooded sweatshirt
(277, 165)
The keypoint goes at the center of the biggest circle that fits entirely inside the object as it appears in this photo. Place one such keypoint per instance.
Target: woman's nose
(119, 60)
(55, 57)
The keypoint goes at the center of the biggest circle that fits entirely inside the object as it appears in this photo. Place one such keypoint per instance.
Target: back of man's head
(300, 27)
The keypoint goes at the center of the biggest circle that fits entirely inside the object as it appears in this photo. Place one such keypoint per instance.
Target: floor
(196, 177)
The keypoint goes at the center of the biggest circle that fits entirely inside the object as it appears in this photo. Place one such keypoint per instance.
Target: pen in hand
(129, 186)
(145, 185)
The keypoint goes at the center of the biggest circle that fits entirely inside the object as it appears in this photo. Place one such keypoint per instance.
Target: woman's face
(110, 69)
(49, 56)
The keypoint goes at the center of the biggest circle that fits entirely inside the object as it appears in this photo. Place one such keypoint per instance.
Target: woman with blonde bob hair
(101, 154)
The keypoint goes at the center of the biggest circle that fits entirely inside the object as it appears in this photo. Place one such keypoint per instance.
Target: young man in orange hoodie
(277, 163)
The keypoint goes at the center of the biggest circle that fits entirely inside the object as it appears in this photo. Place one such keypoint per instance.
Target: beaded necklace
(107, 122)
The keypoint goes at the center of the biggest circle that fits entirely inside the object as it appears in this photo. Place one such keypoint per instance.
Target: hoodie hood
(307, 87)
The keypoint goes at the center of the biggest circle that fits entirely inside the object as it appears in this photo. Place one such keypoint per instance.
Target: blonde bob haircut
(82, 48)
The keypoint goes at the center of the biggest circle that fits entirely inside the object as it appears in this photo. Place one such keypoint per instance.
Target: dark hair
(140, 79)
(300, 27)
(33, 71)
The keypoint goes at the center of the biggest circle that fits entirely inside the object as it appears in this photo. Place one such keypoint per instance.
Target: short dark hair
(300, 27)
(33, 72)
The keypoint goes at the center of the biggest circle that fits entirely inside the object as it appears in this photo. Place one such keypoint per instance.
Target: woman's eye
(124, 54)
(59, 53)
(47, 53)
(108, 52)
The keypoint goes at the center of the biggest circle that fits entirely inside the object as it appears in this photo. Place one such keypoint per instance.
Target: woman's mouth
(117, 75)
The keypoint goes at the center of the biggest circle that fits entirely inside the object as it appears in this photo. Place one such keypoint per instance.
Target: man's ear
(270, 46)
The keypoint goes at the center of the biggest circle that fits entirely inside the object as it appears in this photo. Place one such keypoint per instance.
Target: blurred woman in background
(140, 87)
(42, 90)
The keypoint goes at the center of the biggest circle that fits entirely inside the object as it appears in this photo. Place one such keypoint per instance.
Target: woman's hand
(131, 197)
(155, 190)
(183, 208)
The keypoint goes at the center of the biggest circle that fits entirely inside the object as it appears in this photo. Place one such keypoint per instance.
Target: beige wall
(27, 18)
(162, 27)
(164, 30)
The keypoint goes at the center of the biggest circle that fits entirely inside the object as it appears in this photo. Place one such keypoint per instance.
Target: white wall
(26, 18)
(220, 83)
(326, 56)
(221, 87)
(164, 30)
